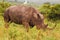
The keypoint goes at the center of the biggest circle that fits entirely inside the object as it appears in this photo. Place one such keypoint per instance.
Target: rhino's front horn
(52, 28)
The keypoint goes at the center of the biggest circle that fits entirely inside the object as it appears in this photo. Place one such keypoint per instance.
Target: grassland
(17, 32)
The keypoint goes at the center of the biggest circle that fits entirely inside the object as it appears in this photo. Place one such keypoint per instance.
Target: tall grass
(17, 32)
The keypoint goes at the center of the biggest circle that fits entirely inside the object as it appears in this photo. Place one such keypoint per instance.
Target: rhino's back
(19, 13)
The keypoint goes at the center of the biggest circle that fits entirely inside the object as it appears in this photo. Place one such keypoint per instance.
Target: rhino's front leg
(26, 24)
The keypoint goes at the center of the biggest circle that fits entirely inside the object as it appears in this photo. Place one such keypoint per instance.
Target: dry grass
(17, 32)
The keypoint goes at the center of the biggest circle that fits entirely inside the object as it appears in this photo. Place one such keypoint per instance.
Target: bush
(51, 11)
(3, 6)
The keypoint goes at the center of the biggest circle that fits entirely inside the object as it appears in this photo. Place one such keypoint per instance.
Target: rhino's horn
(53, 27)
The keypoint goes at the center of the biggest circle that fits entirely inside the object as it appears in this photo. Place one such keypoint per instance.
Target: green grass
(17, 32)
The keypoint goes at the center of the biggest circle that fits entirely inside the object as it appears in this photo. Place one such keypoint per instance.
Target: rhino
(25, 15)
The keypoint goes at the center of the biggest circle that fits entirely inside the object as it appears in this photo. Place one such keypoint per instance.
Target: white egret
(25, 2)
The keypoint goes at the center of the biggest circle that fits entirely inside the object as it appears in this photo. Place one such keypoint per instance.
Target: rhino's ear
(35, 15)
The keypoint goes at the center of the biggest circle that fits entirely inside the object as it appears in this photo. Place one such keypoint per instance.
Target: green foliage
(45, 8)
(51, 11)
(3, 6)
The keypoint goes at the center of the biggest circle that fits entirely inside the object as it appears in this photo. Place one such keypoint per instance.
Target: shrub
(3, 6)
(51, 11)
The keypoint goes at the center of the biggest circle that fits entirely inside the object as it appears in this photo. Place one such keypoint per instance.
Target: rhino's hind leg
(6, 24)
